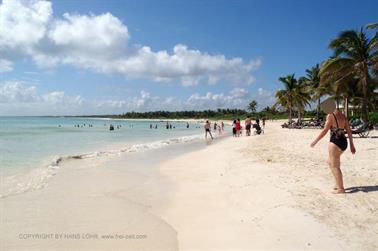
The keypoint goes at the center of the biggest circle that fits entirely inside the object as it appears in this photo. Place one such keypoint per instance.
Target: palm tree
(252, 106)
(349, 92)
(355, 56)
(302, 97)
(285, 97)
(295, 96)
(312, 80)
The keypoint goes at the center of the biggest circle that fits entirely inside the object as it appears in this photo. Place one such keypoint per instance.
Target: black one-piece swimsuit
(338, 136)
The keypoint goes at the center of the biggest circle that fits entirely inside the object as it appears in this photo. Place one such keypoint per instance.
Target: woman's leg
(334, 163)
(329, 165)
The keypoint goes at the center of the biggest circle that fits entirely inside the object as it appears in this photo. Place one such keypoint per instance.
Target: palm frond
(372, 26)
(335, 67)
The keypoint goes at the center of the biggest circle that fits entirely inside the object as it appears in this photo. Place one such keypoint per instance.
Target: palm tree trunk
(364, 79)
(346, 107)
(364, 100)
(318, 110)
(290, 113)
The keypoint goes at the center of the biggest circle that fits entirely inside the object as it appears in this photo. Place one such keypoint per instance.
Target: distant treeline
(226, 114)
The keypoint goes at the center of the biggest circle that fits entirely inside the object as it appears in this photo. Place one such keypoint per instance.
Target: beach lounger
(363, 131)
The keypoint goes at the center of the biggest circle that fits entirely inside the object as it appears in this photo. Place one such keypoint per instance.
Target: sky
(71, 57)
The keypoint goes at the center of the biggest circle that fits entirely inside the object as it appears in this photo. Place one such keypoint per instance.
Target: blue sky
(105, 57)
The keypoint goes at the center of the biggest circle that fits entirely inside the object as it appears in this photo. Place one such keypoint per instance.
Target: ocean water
(31, 148)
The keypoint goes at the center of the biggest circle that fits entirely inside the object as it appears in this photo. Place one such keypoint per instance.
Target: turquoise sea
(32, 147)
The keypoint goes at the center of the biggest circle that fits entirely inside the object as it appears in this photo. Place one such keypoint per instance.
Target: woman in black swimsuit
(337, 123)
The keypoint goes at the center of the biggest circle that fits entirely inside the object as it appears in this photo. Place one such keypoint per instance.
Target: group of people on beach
(336, 123)
(219, 127)
(237, 128)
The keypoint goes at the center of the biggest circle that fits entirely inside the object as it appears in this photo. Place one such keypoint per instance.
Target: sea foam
(37, 178)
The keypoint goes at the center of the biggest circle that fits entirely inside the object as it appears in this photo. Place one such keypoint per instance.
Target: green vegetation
(219, 114)
(349, 76)
(226, 114)
(252, 106)
(294, 97)
(373, 118)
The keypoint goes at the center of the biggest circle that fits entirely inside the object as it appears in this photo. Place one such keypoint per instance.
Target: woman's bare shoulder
(329, 117)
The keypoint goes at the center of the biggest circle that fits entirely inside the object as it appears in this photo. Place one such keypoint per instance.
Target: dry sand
(272, 192)
(267, 192)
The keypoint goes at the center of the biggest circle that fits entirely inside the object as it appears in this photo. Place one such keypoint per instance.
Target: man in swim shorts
(248, 123)
(207, 127)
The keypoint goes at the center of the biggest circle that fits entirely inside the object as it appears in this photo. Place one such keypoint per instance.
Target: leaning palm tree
(302, 97)
(285, 97)
(355, 57)
(349, 91)
(312, 80)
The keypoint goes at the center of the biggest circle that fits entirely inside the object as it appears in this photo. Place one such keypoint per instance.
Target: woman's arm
(327, 126)
(349, 131)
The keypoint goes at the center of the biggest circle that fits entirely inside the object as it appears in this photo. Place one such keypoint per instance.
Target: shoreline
(34, 176)
(51, 167)
(268, 192)
(96, 196)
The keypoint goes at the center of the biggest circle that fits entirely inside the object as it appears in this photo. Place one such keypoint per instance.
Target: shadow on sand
(365, 189)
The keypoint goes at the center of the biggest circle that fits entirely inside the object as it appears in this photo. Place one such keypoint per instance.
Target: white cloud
(23, 24)
(265, 98)
(236, 98)
(15, 92)
(101, 43)
(17, 98)
(5, 65)
(59, 97)
(239, 92)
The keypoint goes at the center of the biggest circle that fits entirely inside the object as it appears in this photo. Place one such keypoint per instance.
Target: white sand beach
(266, 192)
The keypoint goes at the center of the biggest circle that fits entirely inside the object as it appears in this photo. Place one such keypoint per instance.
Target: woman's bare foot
(338, 190)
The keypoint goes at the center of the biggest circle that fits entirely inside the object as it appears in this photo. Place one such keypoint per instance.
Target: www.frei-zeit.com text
(80, 236)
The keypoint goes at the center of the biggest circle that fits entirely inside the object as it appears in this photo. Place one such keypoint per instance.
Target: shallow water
(32, 147)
